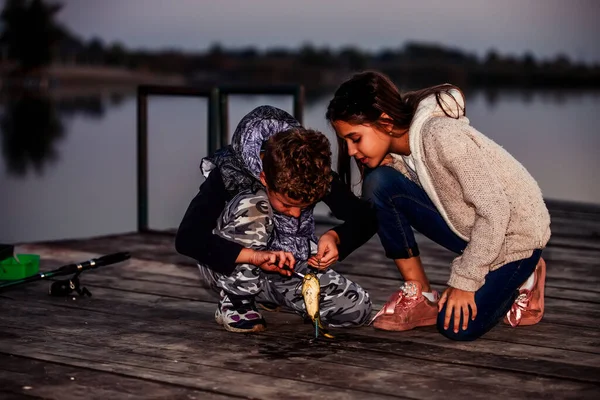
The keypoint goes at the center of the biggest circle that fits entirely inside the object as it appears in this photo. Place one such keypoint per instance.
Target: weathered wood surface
(148, 332)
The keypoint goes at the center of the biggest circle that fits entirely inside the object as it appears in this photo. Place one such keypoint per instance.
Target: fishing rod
(66, 286)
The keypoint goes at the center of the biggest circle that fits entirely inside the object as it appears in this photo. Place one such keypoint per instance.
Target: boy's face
(282, 203)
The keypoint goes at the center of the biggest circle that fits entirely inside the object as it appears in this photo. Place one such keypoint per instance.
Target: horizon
(544, 28)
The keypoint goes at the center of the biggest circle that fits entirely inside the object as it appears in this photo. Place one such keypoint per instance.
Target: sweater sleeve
(360, 222)
(483, 192)
(195, 236)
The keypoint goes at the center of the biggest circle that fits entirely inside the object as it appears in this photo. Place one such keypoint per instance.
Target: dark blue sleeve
(360, 222)
(195, 236)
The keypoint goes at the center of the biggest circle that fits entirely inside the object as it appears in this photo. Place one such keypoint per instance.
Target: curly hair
(297, 164)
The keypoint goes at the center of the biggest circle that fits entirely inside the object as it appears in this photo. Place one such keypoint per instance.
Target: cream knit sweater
(483, 193)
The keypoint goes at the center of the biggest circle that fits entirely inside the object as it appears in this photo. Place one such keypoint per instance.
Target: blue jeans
(401, 204)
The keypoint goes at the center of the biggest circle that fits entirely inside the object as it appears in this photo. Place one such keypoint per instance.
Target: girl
(425, 167)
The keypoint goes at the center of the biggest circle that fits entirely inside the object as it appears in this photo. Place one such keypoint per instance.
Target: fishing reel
(65, 287)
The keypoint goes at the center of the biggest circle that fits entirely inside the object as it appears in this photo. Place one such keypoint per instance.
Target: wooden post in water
(142, 159)
(214, 116)
(224, 119)
(299, 103)
(218, 124)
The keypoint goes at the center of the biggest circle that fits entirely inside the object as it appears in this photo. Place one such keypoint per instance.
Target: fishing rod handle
(95, 263)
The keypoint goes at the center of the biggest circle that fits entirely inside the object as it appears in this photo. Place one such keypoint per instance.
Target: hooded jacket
(240, 165)
(236, 168)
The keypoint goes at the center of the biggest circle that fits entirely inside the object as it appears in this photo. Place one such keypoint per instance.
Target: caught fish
(311, 292)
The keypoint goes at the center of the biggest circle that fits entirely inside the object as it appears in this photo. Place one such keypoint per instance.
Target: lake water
(68, 169)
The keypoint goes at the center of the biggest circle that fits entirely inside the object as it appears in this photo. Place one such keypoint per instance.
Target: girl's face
(366, 143)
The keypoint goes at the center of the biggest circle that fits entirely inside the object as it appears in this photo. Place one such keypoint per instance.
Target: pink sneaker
(407, 309)
(528, 308)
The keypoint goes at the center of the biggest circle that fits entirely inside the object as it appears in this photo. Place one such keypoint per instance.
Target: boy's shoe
(528, 308)
(239, 314)
(407, 309)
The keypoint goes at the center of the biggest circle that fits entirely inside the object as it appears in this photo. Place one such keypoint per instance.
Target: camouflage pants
(246, 220)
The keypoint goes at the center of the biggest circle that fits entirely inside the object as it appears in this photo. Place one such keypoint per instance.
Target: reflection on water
(31, 127)
(91, 106)
(69, 161)
(32, 124)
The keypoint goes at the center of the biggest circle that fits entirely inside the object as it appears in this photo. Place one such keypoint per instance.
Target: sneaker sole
(538, 318)
(255, 328)
(383, 326)
(534, 320)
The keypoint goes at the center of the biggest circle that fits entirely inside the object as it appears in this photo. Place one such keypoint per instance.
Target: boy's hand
(327, 251)
(281, 262)
(458, 303)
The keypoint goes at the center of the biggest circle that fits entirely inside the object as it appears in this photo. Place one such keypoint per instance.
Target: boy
(267, 221)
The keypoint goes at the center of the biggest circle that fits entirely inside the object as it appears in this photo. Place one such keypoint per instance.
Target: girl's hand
(388, 159)
(458, 302)
(282, 262)
(327, 251)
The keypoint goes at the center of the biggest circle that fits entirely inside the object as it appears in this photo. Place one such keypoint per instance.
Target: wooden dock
(148, 332)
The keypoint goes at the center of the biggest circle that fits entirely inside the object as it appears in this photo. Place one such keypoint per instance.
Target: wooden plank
(428, 336)
(147, 313)
(557, 311)
(153, 271)
(6, 395)
(196, 376)
(562, 264)
(563, 312)
(181, 349)
(22, 376)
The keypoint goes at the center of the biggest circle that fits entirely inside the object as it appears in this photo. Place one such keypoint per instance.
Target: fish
(311, 292)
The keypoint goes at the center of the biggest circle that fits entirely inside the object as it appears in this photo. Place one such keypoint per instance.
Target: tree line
(31, 39)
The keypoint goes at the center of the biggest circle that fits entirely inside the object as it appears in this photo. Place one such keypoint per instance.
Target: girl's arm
(194, 236)
(482, 191)
(360, 222)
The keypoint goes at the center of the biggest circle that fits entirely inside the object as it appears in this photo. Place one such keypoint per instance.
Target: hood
(255, 129)
(451, 104)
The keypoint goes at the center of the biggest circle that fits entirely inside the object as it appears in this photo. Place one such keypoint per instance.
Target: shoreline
(57, 76)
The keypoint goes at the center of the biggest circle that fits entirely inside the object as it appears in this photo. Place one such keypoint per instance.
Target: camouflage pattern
(247, 220)
(240, 165)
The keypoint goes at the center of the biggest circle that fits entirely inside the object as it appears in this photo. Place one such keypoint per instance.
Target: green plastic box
(11, 269)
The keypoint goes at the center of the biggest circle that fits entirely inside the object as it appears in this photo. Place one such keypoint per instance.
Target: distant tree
(310, 56)
(30, 127)
(278, 53)
(529, 63)
(528, 59)
(492, 57)
(387, 55)
(216, 50)
(70, 48)
(94, 51)
(561, 61)
(29, 32)
(354, 58)
(116, 55)
(248, 53)
(215, 58)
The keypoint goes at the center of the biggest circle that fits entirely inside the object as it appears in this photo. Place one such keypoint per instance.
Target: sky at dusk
(546, 27)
